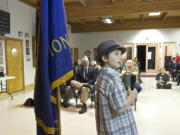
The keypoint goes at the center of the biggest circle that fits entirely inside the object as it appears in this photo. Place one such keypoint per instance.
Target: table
(5, 78)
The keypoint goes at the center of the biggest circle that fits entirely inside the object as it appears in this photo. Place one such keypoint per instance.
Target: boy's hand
(132, 96)
(119, 112)
(133, 93)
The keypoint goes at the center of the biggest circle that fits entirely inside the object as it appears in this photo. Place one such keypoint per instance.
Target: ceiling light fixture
(154, 14)
(107, 20)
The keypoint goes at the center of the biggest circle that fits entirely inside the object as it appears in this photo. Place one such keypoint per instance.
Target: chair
(3, 86)
(91, 95)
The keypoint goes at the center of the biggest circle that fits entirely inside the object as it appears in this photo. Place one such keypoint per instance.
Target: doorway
(129, 51)
(148, 55)
(168, 53)
(14, 64)
(141, 56)
(151, 58)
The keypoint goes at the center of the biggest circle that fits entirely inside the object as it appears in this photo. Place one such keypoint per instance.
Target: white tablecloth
(6, 78)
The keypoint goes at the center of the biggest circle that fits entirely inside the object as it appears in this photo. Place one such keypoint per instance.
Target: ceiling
(85, 15)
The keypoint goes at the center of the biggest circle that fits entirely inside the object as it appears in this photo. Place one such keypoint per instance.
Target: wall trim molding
(29, 86)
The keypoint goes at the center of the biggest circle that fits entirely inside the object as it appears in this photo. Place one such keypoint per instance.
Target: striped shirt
(110, 97)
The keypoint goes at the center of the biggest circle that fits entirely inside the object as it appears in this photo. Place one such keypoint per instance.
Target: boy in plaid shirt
(114, 115)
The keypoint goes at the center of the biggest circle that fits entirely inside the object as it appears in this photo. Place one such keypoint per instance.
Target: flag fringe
(47, 130)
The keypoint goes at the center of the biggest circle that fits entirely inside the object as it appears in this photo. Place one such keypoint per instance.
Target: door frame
(166, 44)
(76, 54)
(129, 45)
(157, 62)
(95, 53)
(137, 53)
(22, 60)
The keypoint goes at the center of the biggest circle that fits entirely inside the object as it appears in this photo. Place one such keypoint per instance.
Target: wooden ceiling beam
(171, 22)
(121, 19)
(141, 17)
(113, 1)
(103, 8)
(164, 16)
(69, 1)
(29, 2)
(32, 3)
(84, 2)
(100, 20)
(82, 22)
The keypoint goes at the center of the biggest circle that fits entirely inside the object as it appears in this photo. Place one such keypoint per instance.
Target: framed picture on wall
(27, 51)
(26, 35)
(27, 43)
(20, 34)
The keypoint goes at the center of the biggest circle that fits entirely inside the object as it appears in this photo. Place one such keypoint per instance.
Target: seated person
(162, 80)
(77, 65)
(122, 66)
(130, 68)
(178, 73)
(172, 68)
(67, 91)
(86, 77)
(127, 73)
(96, 67)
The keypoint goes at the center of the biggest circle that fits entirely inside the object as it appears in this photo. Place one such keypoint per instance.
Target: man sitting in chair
(162, 80)
(86, 77)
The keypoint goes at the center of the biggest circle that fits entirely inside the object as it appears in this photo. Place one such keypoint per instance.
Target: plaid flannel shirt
(110, 97)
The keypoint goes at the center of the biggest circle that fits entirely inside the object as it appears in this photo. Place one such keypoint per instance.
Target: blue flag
(54, 64)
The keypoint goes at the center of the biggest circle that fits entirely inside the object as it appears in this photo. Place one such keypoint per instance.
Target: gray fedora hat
(108, 46)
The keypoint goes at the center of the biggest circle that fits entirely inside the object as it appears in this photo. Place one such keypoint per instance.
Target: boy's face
(114, 59)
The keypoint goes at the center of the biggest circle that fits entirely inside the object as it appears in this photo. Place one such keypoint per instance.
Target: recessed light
(107, 20)
(154, 14)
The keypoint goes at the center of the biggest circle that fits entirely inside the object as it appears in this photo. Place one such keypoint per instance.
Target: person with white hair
(85, 78)
(96, 67)
(127, 73)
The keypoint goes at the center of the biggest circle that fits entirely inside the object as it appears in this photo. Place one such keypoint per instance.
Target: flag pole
(58, 110)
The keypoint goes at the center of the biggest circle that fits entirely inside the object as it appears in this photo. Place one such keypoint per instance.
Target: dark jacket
(171, 66)
(76, 70)
(162, 78)
(91, 75)
(178, 67)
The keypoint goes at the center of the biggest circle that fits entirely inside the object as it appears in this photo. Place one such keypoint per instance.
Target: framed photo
(20, 34)
(27, 43)
(27, 51)
(87, 52)
(26, 35)
(27, 47)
